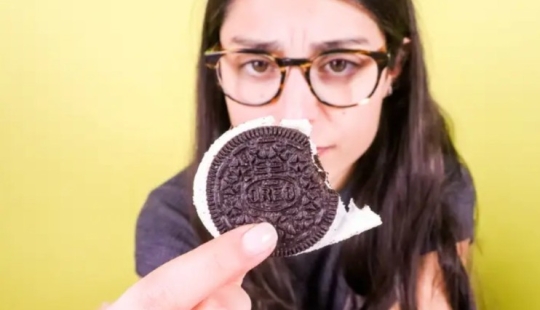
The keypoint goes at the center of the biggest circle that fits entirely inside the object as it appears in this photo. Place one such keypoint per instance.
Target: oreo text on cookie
(269, 174)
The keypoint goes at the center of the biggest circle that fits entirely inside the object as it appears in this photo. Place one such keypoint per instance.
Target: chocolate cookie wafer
(266, 172)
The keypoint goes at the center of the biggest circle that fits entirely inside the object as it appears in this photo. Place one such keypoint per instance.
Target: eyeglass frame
(381, 58)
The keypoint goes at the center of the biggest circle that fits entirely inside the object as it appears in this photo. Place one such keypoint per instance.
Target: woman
(356, 71)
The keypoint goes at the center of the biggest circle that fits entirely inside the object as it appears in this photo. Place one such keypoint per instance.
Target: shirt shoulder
(460, 197)
(163, 229)
(459, 200)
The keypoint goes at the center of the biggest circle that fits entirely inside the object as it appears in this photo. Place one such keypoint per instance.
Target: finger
(185, 281)
(238, 281)
(105, 306)
(230, 297)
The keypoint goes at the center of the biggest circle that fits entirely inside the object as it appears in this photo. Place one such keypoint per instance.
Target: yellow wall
(95, 109)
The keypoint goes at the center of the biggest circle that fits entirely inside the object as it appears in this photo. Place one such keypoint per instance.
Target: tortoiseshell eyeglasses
(340, 78)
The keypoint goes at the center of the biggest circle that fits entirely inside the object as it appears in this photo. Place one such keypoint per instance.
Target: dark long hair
(403, 176)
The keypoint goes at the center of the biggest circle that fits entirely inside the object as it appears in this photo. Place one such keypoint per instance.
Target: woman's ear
(399, 59)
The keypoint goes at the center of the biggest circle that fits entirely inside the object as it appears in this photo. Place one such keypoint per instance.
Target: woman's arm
(431, 291)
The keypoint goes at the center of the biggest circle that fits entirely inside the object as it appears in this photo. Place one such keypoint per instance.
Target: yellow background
(96, 102)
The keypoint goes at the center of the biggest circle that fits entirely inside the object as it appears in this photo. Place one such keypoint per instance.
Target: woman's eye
(259, 66)
(338, 65)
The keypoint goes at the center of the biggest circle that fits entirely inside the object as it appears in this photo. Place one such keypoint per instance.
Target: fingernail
(259, 239)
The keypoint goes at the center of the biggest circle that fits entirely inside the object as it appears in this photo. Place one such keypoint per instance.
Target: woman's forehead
(297, 26)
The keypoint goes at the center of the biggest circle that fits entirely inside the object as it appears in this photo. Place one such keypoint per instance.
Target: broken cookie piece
(266, 172)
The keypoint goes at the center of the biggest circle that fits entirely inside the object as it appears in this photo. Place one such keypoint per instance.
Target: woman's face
(294, 28)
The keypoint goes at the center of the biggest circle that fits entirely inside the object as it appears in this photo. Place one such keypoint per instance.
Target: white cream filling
(346, 223)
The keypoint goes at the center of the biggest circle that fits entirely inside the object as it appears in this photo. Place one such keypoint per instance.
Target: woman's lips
(323, 149)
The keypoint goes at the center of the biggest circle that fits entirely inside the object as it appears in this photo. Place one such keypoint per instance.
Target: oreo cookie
(263, 172)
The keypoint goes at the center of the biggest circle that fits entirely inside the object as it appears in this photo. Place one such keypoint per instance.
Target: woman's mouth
(323, 149)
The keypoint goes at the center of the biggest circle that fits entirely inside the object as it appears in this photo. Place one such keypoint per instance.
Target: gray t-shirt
(164, 232)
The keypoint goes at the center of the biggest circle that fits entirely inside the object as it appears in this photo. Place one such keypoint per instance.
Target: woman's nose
(296, 100)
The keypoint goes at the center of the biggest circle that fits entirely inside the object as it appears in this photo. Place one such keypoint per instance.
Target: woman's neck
(339, 180)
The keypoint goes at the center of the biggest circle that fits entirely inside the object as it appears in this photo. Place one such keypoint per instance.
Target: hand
(208, 277)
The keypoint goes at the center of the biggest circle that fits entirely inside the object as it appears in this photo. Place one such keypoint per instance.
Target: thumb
(189, 279)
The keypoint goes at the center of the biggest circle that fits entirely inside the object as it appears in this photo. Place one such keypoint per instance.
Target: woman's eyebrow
(339, 43)
(256, 44)
(275, 47)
